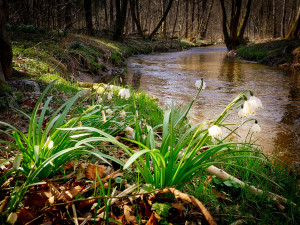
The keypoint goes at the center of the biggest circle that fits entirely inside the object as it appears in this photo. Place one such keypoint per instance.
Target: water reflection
(171, 76)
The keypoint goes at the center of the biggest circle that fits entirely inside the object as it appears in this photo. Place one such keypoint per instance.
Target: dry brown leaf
(145, 209)
(92, 171)
(36, 201)
(152, 220)
(68, 165)
(70, 194)
(129, 218)
(186, 197)
(86, 203)
(118, 138)
(177, 206)
(25, 216)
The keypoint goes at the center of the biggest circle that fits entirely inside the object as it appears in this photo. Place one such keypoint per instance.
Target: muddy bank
(283, 53)
(79, 57)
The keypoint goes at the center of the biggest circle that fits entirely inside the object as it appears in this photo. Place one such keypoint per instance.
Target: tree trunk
(161, 20)
(186, 18)
(244, 21)
(121, 8)
(136, 17)
(274, 20)
(283, 19)
(295, 27)
(68, 15)
(176, 18)
(205, 25)
(5, 46)
(88, 17)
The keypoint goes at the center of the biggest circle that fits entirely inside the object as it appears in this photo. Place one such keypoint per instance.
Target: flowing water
(171, 76)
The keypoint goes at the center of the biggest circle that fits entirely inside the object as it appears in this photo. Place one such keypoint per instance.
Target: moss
(5, 87)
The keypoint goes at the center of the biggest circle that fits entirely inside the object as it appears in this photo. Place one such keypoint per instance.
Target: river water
(171, 76)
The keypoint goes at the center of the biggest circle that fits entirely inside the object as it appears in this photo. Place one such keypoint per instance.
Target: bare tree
(293, 33)
(5, 46)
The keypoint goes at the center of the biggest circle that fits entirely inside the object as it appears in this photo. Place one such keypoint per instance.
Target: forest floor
(79, 191)
(278, 52)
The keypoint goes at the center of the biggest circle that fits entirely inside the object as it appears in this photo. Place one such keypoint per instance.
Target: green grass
(274, 52)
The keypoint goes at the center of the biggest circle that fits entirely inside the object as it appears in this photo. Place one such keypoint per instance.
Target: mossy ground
(271, 52)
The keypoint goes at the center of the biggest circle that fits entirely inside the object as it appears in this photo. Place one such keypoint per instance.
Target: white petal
(198, 84)
(215, 131)
(248, 108)
(12, 218)
(123, 114)
(256, 102)
(109, 111)
(129, 131)
(109, 97)
(124, 93)
(255, 128)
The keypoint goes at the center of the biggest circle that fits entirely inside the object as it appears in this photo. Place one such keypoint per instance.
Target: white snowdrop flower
(240, 113)
(109, 111)
(100, 99)
(109, 97)
(12, 218)
(103, 116)
(124, 93)
(198, 84)
(255, 128)
(3, 167)
(248, 109)
(215, 131)
(123, 114)
(256, 102)
(129, 131)
(50, 145)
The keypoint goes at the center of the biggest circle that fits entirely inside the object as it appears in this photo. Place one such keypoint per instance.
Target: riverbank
(78, 57)
(283, 53)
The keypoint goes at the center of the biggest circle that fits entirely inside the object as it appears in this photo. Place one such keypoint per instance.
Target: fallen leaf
(85, 204)
(152, 220)
(177, 206)
(145, 209)
(127, 213)
(36, 201)
(68, 165)
(92, 171)
(70, 194)
(118, 138)
(25, 216)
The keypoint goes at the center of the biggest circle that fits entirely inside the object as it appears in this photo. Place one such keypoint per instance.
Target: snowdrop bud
(109, 111)
(123, 114)
(248, 109)
(12, 218)
(256, 103)
(129, 131)
(100, 99)
(50, 145)
(255, 128)
(103, 116)
(109, 97)
(215, 131)
(240, 113)
(198, 84)
(124, 93)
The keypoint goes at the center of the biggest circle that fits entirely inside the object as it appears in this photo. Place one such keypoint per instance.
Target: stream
(171, 77)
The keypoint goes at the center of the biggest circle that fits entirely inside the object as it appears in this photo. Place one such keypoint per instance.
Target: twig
(34, 219)
(222, 175)
(237, 216)
(121, 195)
(193, 200)
(85, 220)
(74, 214)
(4, 203)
